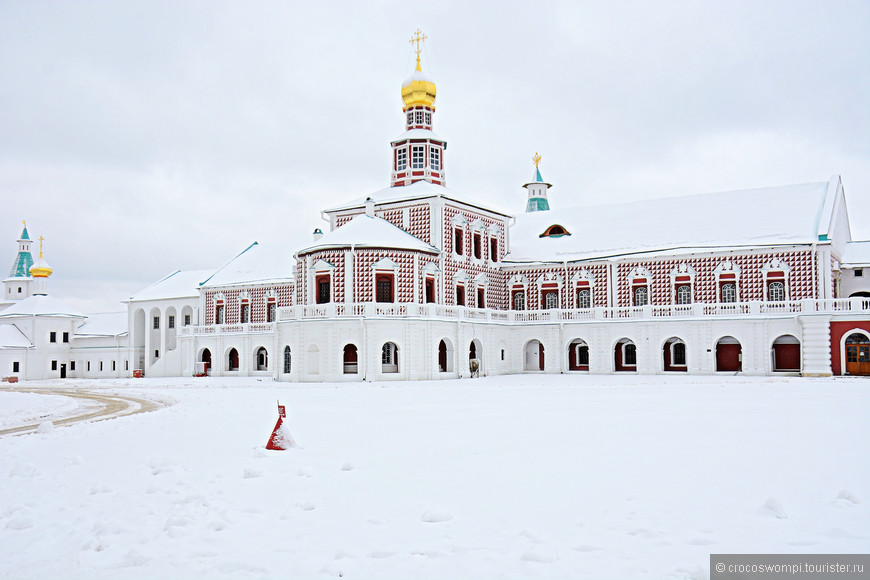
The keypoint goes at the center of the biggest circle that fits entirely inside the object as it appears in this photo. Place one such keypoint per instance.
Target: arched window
(350, 359)
(389, 358)
(271, 309)
(625, 355)
(287, 360)
(555, 231)
(219, 312)
(729, 292)
(776, 291)
(578, 355)
(674, 355)
(684, 294)
(233, 360)
(679, 354)
(245, 311)
(584, 298)
(641, 296)
(518, 300)
(551, 299)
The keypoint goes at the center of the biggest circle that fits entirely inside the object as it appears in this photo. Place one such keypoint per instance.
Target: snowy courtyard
(528, 476)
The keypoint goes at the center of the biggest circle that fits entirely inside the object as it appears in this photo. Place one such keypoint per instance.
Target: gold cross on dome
(40, 245)
(418, 37)
(536, 159)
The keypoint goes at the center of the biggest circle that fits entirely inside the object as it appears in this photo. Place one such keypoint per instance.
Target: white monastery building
(417, 281)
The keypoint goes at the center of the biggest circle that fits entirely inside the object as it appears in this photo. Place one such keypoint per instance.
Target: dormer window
(428, 116)
(555, 231)
(410, 118)
(435, 154)
(401, 159)
(419, 117)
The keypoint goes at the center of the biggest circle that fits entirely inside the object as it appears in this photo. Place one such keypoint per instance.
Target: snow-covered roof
(179, 284)
(417, 134)
(12, 337)
(417, 190)
(256, 264)
(370, 232)
(41, 305)
(104, 324)
(767, 216)
(857, 254)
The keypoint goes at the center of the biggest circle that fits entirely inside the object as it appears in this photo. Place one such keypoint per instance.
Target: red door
(728, 357)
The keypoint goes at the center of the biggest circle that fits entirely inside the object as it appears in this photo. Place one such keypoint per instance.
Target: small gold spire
(536, 159)
(417, 38)
(40, 246)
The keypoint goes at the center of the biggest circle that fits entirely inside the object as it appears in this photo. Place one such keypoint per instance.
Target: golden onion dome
(419, 89)
(40, 268)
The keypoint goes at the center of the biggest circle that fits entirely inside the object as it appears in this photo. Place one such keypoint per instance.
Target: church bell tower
(418, 153)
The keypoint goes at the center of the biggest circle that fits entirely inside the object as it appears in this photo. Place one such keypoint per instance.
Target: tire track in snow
(111, 407)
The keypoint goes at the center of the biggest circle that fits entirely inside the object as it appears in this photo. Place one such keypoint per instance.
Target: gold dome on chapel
(418, 90)
(40, 268)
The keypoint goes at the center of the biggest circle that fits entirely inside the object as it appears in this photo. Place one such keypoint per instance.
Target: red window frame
(320, 296)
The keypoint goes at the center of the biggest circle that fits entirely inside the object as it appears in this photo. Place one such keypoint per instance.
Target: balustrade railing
(413, 310)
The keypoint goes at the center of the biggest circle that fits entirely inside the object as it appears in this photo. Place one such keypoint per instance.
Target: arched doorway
(857, 354)
(350, 359)
(389, 358)
(729, 355)
(533, 356)
(674, 355)
(475, 353)
(262, 359)
(578, 355)
(205, 359)
(233, 360)
(445, 356)
(785, 354)
(625, 356)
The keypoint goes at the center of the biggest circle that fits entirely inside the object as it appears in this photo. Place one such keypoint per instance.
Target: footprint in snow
(773, 508)
(435, 517)
(541, 554)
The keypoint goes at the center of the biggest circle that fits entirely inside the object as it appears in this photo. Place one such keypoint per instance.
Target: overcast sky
(142, 137)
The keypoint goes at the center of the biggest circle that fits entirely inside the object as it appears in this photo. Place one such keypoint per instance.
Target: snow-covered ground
(532, 476)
